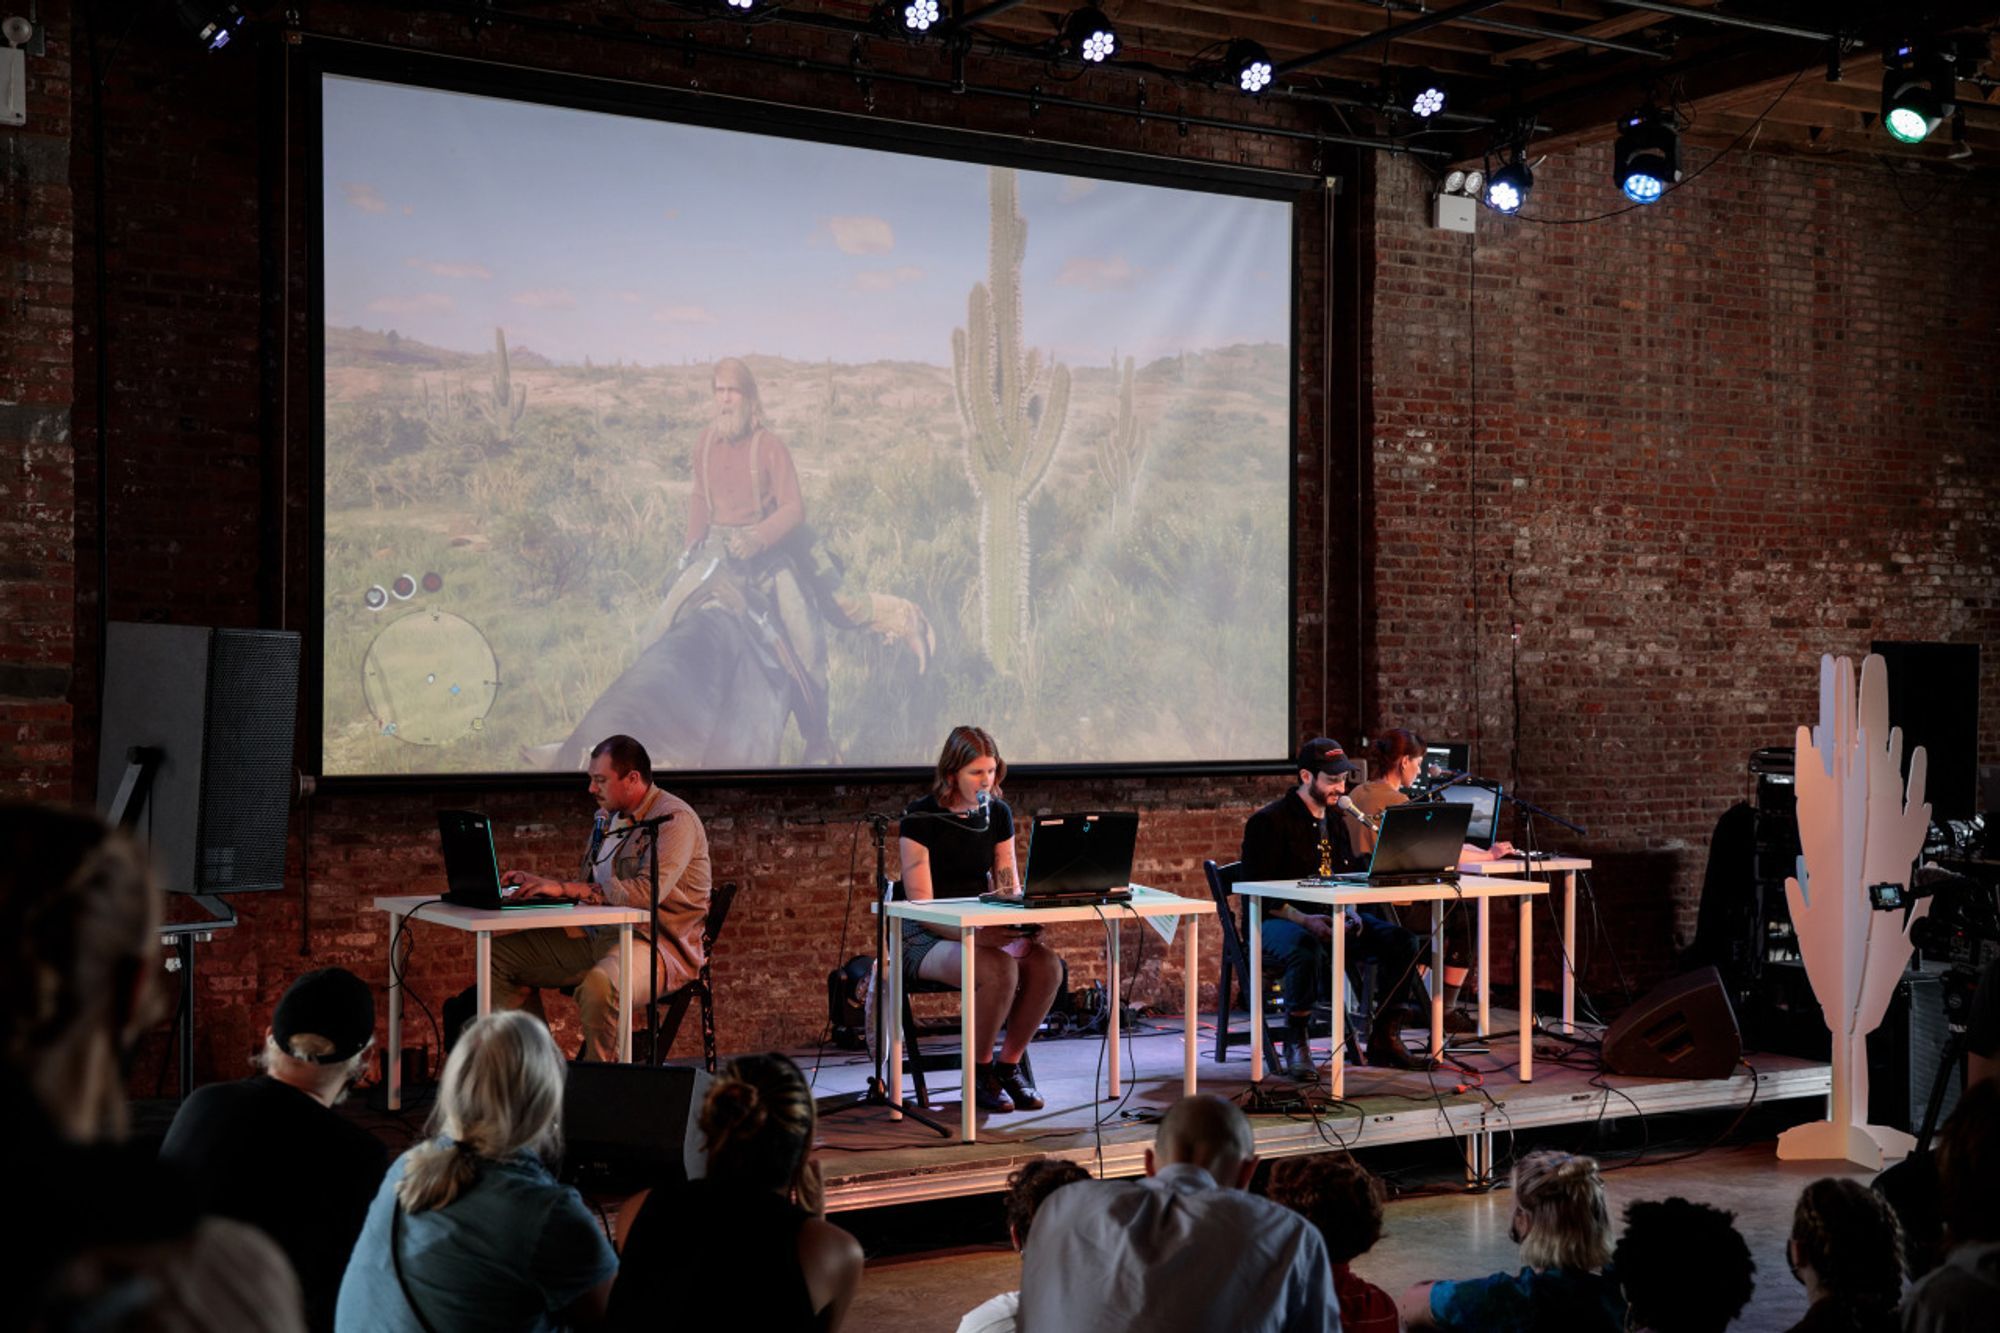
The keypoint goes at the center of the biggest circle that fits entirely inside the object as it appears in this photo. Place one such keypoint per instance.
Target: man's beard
(734, 423)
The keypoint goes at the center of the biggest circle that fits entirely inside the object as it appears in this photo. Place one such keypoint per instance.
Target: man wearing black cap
(271, 1151)
(1281, 841)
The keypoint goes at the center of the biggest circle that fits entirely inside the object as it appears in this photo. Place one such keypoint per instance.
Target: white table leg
(1255, 947)
(1527, 989)
(398, 923)
(626, 975)
(1192, 926)
(1485, 992)
(1111, 966)
(1437, 979)
(1569, 952)
(1336, 1069)
(968, 946)
(482, 967)
(889, 1013)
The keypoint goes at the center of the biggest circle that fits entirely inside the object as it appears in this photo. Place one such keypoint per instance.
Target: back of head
(1570, 1220)
(1848, 1235)
(321, 1031)
(79, 920)
(1969, 1165)
(1684, 1267)
(1337, 1195)
(1032, 1183)
(1207, 1132)
(758, 1122)
(1395, 745)
(501, 1095)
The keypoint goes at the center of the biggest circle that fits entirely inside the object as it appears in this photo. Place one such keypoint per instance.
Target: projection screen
(780, 453)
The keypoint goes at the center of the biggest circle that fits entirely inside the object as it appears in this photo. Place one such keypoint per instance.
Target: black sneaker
(988, 1093)
(1016, 1088)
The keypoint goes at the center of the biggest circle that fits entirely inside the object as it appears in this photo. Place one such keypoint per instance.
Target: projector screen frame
(320, 57)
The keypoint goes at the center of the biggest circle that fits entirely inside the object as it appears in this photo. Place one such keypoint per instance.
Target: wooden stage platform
(872, 1159)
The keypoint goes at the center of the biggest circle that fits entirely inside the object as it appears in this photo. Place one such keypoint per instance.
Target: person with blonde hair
(957, 841)
(1562, 1222)
(470, 1229)
(226, 1136)
(748, 1245)
(112, 1238)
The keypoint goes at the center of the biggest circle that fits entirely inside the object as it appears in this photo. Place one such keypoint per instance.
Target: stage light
(1428, 101)
(1475, 181)
(1089, 35)
(1647, 157)
(919, 15)
(1508, 188)
(1919, 91)
(1454, 182)
(212, 24)
(1248, 66)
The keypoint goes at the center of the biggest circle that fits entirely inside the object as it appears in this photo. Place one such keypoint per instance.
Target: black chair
(916, 1059)
(1235, 962)
(674, 1007)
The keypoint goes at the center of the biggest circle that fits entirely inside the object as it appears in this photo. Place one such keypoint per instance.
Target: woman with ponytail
(1562, 1223)
(1846, 1248)
(470, 1229)
(748, 1245)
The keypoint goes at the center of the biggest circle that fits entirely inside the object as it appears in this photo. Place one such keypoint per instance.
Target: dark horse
(701, 696)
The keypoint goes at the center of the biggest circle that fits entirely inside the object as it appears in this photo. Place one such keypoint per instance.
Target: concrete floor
(1452, 1235)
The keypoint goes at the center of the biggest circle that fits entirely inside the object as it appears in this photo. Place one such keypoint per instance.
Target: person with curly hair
(1027, 1187)
(1562, 1223)
(1344, 1203)
(748, 1245)
(1666, 1242)
(1846, 1249)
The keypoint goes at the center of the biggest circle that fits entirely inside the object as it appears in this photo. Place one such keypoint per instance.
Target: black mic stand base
(876, 1097)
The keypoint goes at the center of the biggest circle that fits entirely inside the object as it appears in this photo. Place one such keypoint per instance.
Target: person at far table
(1282, 841)
(957, 841)
(616, 871)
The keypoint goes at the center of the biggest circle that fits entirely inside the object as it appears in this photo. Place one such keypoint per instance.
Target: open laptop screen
(1485, 803)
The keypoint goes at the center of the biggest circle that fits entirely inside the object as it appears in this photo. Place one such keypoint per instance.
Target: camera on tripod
(1962, 930)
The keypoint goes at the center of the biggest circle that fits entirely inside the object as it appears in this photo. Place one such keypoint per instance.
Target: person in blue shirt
(470, 1230)
(1562, 1223)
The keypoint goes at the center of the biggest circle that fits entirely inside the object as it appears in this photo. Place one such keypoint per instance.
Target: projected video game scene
(774, 453)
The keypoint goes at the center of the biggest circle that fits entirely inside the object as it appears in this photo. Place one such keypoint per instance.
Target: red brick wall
(1676, 550)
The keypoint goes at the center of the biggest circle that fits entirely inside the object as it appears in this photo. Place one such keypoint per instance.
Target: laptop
(1077, 860)
(1485, 803)
(1417, 844)
(472, 867)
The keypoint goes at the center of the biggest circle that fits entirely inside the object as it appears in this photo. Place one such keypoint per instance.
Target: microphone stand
(654, 1056)
(877, 1092)
(1532, 812)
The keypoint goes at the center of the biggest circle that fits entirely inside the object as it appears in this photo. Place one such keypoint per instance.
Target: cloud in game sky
(363, 196)
(886, 279)
(445, 268)
(626, 298)
(862, 235)
(1098, 275)
(684, 314)
(545, 298)
(417, 303)
(1075, 188)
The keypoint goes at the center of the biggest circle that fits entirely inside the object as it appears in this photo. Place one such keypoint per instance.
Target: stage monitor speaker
(631, 1127)
(1934, 698)
(215, 709)
(1682, 1029)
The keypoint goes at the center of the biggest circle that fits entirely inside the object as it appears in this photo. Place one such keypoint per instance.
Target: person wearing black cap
(271, 1150)
(1281, 841)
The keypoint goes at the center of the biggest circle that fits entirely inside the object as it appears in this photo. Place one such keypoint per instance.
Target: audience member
(1344, 1203)
(231, 1138)
(1563, 1226)
(1186, 1248)
(1683, 1266)
(1026, 1189)
(1963, 1292)
(109, 1237)
(748, 1246)
(469, 1229)
(1846, 1249)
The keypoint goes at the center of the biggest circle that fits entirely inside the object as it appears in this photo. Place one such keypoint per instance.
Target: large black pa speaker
(1934, 698)
(217, 708)
(1684, 1028)
(631, 1127)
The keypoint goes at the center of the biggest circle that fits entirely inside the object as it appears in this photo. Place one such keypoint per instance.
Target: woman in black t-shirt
(953, 841)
